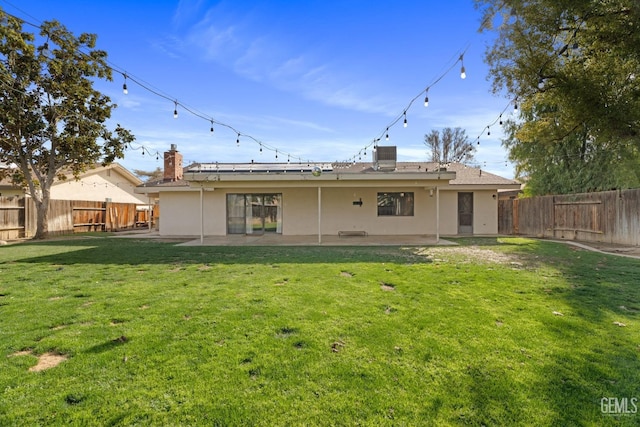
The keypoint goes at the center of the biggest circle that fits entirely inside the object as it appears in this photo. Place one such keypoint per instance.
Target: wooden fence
(608, 217)
(18, 217)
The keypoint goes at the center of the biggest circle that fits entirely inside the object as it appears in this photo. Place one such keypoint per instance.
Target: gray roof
(465, 175)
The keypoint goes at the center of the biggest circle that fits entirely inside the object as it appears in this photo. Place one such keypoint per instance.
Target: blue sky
(317, 80)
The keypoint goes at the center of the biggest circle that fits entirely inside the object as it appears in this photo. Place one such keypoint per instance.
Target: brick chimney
(172, 164)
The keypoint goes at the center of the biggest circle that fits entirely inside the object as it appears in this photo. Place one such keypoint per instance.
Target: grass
(491, 332)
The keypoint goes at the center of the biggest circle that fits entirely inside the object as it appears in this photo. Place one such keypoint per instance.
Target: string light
(463, 72)
(262, 145)
(426, 97)
(124, 85)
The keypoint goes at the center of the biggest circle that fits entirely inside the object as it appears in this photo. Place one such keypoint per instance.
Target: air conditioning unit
(385, 158)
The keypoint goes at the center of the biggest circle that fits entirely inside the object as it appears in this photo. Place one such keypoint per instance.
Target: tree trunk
(42, 215)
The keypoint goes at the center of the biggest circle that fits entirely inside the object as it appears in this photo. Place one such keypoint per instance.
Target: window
(395, 204)
(254, 213)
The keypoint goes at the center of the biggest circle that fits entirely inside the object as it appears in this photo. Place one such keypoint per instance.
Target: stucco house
(113, 182)
(382, 197)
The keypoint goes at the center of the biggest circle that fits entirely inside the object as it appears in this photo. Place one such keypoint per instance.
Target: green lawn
(491, 332)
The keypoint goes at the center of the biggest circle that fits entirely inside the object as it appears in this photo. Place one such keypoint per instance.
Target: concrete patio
(307, 240)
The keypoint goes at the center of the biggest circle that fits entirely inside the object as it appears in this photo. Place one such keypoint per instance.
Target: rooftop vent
(384, 158)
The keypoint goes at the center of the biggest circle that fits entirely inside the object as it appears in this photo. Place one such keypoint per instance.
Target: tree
(452, 145)
(155, 175)
(571, 67)
(52, 120)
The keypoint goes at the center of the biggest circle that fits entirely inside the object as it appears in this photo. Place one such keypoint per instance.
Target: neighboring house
(113, 182)
(383, 197)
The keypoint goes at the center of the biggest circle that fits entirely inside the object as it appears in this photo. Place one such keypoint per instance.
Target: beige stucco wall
(180, 214)
(449, 212)
(107, 183)
(180, 211)
(339, 213)
(485, 211)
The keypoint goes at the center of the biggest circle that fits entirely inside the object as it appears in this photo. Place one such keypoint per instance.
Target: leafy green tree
(52, 120)
(449, 146)
(571, 68)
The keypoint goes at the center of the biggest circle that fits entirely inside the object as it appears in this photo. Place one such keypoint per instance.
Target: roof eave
(326, 176)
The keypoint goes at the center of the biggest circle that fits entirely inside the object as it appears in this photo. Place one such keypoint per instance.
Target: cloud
(185, 11)
(277, 121)
(269, 58)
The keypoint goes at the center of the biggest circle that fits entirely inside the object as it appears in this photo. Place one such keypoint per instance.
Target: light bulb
(426, 101)
(238, 140)
(405, 119)
(211, 126)
(175, 110)
(387, 135)
(541, 83)
(463, 73)
(124, 89)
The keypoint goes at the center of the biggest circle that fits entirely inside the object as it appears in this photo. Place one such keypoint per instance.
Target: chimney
(172, 164)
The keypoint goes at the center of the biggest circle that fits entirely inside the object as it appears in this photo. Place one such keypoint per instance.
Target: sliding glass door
(254, 213)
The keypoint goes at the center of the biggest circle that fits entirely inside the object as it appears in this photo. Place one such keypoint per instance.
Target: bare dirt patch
(387, 286)
(467, 254)
(21, 353)
(47, 361)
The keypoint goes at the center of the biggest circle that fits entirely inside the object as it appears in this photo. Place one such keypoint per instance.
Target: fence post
(108, 220)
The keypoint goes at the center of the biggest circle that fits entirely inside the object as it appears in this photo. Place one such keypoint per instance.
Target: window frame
(397, 203)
